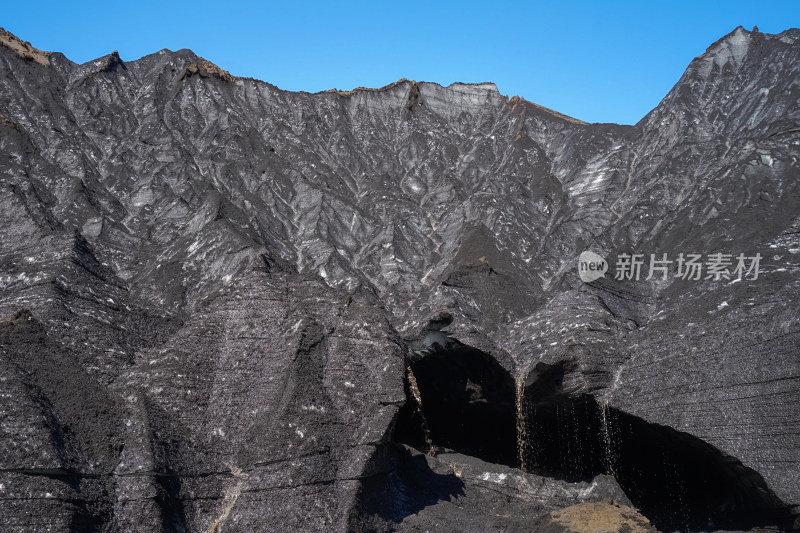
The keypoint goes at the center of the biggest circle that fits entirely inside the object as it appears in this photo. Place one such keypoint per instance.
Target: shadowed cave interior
(678, 481)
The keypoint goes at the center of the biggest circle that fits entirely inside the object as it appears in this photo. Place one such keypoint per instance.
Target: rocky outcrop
(206, 69)
(112, 63)
(23, 48)
(216, 293)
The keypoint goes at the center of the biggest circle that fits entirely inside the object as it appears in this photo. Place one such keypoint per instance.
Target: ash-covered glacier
(215, 294)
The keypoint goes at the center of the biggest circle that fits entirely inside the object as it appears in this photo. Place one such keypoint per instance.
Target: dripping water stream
(607, 443)
(412, 383)
(475, 407)
(522, 429)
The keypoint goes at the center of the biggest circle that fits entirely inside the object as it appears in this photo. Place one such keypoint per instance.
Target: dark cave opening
(683, 483)
(468, 404)
(678, 481)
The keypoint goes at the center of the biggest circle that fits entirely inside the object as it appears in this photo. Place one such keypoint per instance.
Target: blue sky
(597, 61)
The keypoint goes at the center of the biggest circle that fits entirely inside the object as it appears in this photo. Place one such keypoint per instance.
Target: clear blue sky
(599, 61)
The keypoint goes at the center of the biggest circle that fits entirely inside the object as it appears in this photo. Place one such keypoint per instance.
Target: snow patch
(735, 47)
(493, 477)
(193, 248)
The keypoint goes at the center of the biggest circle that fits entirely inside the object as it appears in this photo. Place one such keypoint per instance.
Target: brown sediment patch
(348, 94)
(24, 49)
(601, 517)
(516, 100)
(8, 123)
(112, 62)
(20, 317)
(206, 69)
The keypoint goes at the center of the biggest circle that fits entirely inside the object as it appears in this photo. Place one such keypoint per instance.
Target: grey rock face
(214, 290)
